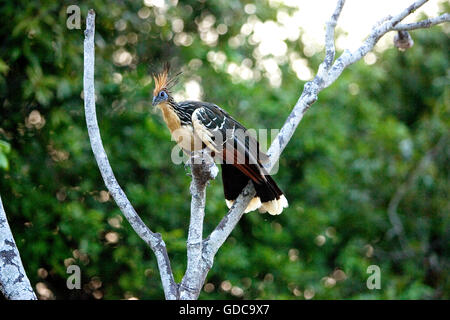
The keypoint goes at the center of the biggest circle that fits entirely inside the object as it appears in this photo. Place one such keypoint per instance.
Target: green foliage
(5, 148)
(356, 147)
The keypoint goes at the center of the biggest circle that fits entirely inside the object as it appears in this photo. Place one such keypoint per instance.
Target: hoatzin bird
(196, 125)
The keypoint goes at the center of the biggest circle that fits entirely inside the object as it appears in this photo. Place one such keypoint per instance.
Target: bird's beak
(154, 101)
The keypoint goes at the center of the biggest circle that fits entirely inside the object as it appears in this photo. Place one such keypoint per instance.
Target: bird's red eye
(162, 94)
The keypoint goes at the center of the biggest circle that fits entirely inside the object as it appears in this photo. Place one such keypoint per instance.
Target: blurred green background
(366, 173)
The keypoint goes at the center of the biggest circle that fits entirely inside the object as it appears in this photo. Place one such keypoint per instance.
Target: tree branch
(154, 240)
(330, 49)
(203, 169)
(423, 24)
(14, 283)
(380, 29)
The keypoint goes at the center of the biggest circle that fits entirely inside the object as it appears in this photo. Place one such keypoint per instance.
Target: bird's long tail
(269, 198)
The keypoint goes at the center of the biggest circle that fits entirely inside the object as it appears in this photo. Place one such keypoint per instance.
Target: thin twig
(427, 23)
(330, 49)
(378, 30)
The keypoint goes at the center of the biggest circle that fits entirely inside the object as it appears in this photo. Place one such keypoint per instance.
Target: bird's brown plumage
(191, 121)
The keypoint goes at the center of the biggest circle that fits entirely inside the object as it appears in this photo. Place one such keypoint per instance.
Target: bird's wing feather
(230, 139)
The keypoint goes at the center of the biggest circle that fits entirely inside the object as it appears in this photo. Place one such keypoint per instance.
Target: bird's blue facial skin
(162, 96)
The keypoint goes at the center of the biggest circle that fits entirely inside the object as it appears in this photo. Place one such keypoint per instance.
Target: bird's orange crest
(161, 80)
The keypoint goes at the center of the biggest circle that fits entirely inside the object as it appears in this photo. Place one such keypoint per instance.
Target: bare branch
(402, 15)
(215, 240)
(202, 171)
(379, 29)
(154, 240)
(423, 24)
(330, 49)
(14, 283)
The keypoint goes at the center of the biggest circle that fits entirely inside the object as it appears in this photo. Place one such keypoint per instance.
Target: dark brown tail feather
(235, 180)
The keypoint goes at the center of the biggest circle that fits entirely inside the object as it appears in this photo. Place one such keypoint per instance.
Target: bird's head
(163, 84)
(159, 97)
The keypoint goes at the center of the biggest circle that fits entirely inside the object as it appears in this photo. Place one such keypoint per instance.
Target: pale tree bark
(423, 24)
(14, 283)
(201, 251)
(154, 240)
(202, 171)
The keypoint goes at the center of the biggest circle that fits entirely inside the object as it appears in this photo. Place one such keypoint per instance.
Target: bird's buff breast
(182, 134)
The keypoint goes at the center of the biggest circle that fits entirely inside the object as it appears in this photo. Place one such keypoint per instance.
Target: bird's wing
(229, 139)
